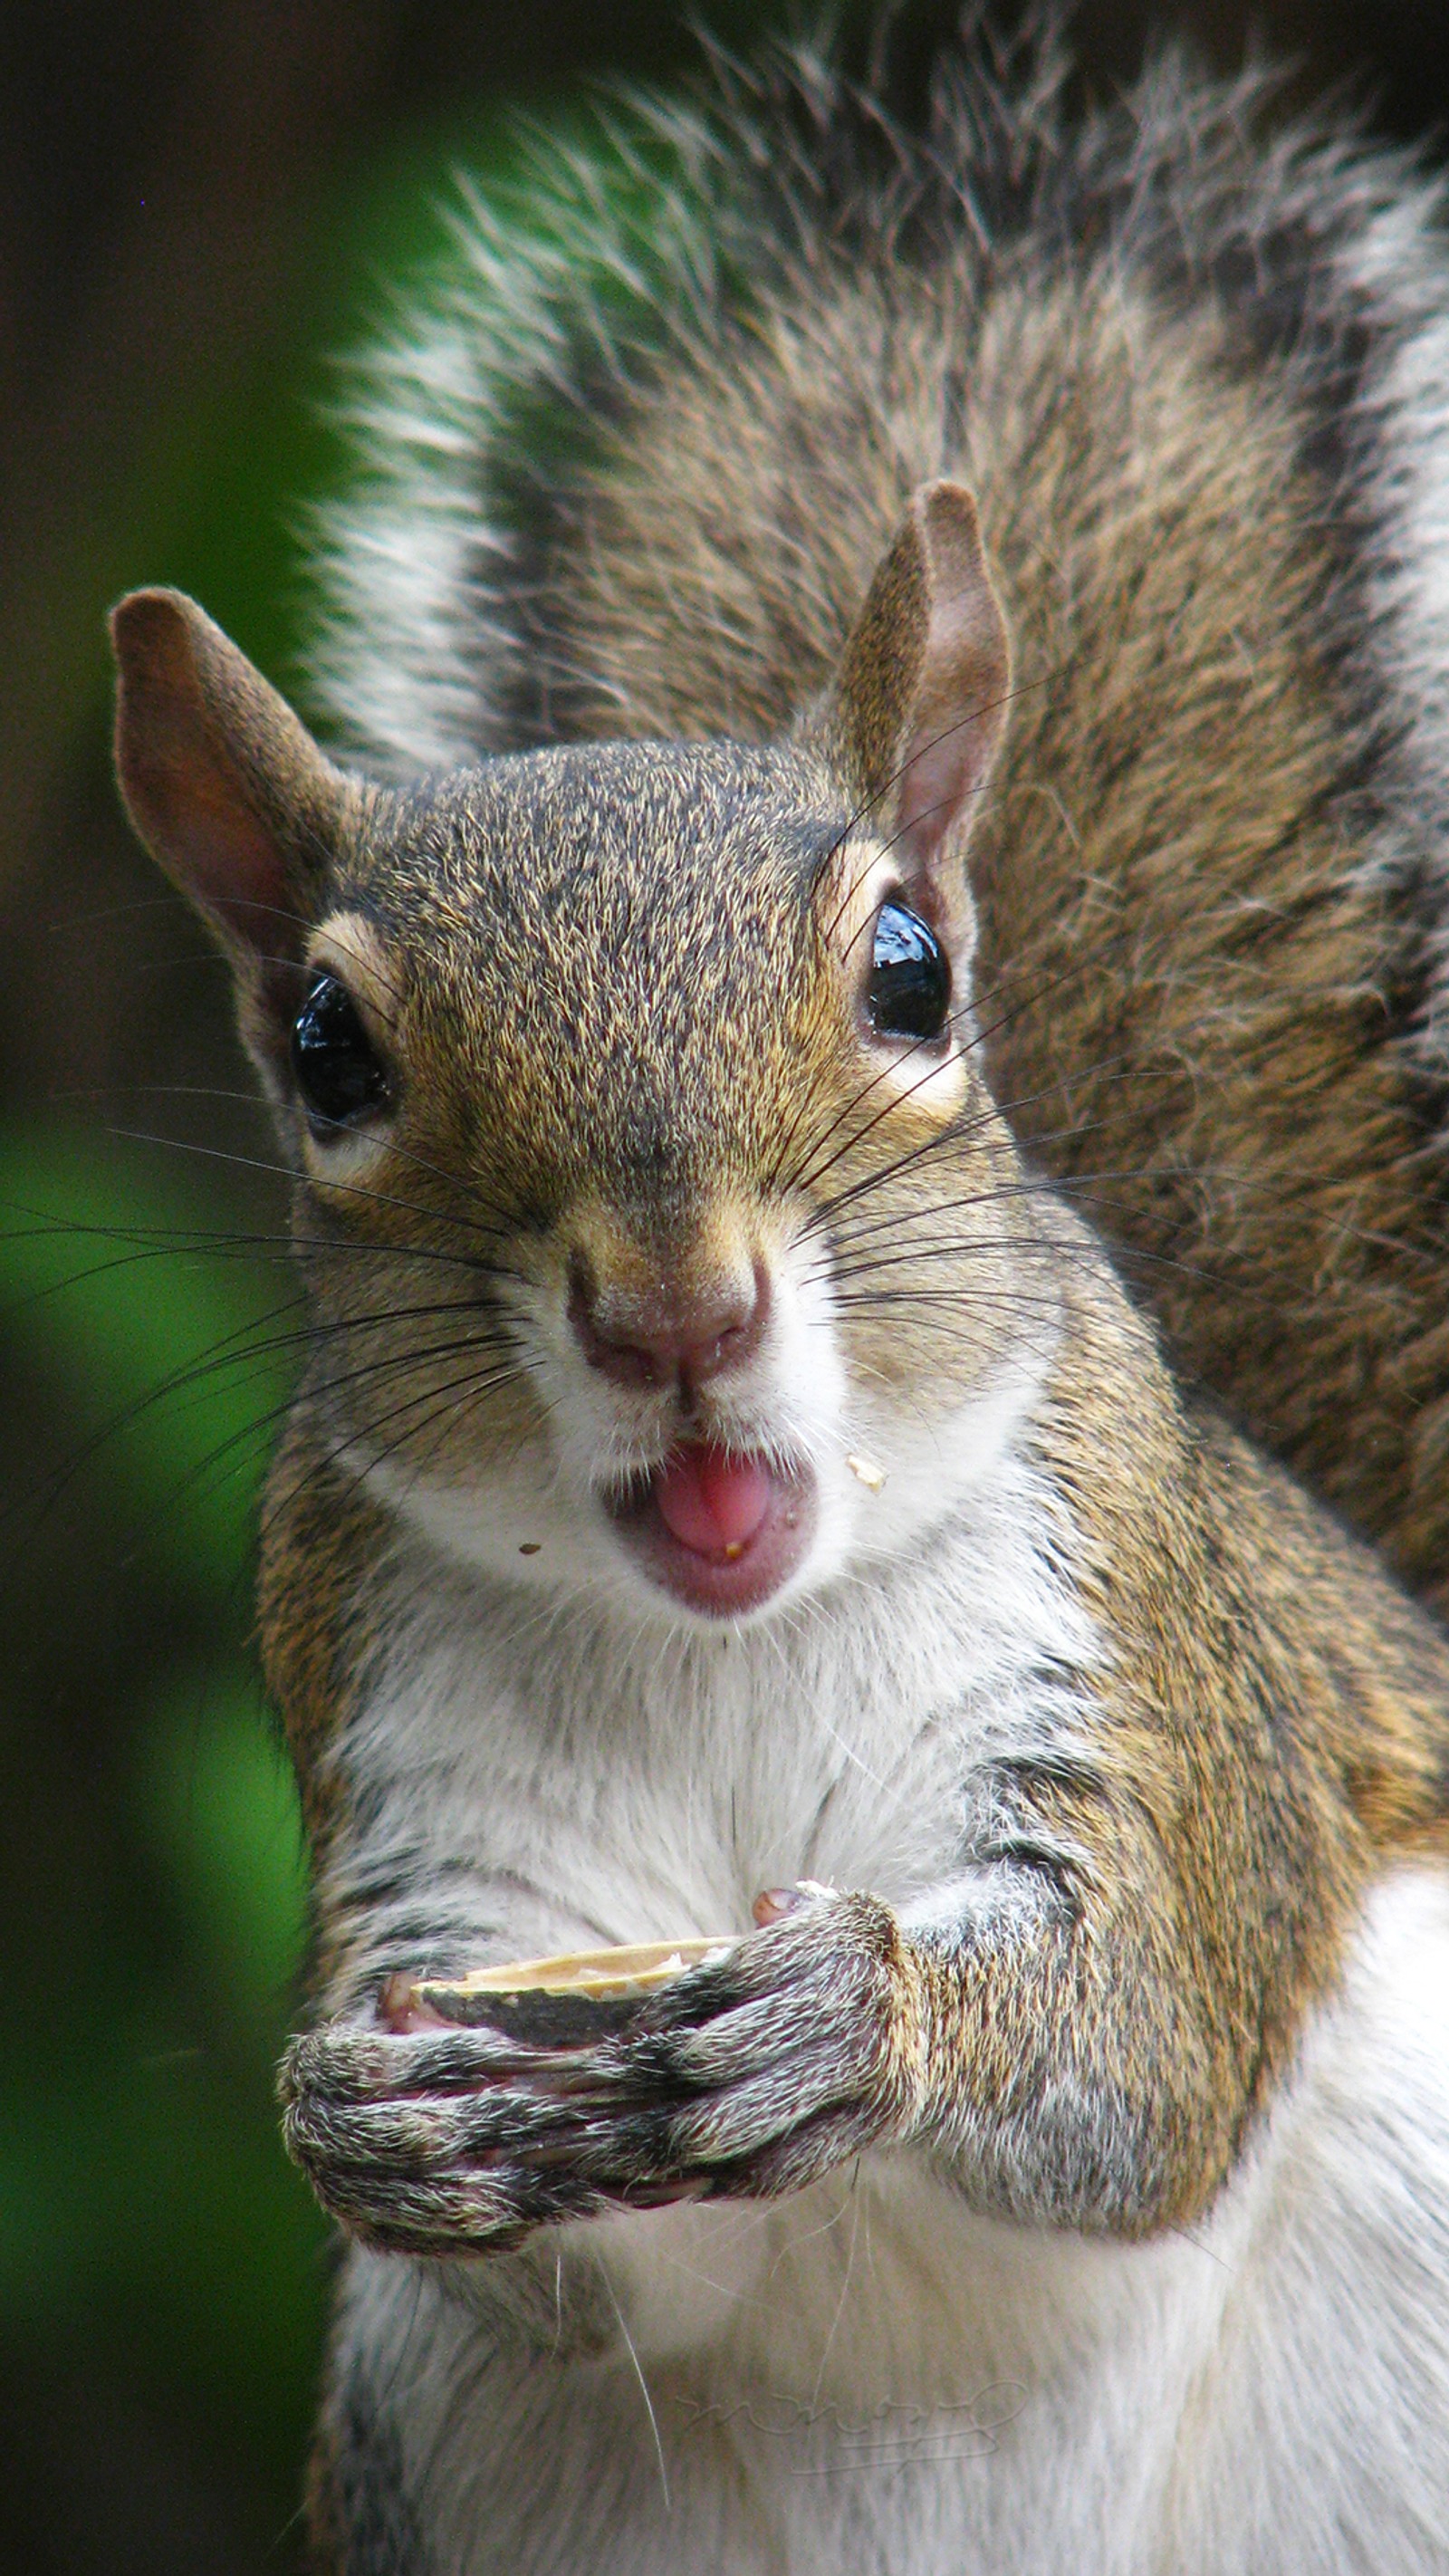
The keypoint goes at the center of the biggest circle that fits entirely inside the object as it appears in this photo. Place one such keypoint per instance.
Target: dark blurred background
(199, 207)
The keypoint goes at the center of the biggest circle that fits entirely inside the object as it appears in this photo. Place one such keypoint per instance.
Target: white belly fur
(869, 2377)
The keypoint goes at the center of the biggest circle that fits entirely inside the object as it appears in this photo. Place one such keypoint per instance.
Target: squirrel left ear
(919, 704)
(229, 791)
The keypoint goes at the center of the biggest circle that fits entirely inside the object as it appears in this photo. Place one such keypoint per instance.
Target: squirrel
(734, 1488)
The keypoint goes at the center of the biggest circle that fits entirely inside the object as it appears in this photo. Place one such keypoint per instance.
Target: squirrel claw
(774, 1903)
(400, 2009)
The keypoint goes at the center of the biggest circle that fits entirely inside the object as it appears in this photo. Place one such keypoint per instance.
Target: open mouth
(721, 1532)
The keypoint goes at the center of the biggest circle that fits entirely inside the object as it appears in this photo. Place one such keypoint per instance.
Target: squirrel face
(652, 1200)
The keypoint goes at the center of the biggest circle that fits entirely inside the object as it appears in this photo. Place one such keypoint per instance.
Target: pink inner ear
(936, 781)
(227, 858)
(189, 796)
(956, 723)
(962, 664)
(196, 814)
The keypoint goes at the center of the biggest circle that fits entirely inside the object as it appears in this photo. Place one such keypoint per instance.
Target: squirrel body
(1055, 2174)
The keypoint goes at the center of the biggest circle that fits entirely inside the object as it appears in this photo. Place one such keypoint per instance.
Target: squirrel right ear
(226, 787)
(919, 705)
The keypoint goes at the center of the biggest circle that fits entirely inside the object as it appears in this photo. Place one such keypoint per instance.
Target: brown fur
(318, 1532)
(1264, 1772)
(1271, 1717)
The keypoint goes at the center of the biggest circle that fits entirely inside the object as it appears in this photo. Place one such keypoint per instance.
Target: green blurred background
(199, 207)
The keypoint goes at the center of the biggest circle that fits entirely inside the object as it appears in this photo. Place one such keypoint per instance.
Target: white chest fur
(582, 1777)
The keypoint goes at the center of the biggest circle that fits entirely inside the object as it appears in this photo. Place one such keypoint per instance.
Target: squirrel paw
(749, 2076)
(433, 2142)
(756, 2074)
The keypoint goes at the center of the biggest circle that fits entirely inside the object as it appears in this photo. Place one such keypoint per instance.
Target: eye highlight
(336, 1066)
(909, 993)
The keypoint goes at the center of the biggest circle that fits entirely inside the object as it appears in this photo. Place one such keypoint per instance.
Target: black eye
(909, 993)
(337, 1071)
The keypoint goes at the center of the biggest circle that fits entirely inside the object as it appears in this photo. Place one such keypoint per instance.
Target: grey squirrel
(732, 1486)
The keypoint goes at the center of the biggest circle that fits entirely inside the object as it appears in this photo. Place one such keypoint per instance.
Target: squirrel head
(660, 1226)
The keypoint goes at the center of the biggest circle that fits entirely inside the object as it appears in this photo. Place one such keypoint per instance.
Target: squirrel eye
(333, 1059)
(909, 993)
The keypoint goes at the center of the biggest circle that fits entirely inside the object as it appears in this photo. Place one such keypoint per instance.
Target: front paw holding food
(749, 2075)
(433, 2141)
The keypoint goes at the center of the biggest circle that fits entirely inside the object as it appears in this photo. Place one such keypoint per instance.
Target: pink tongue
(712, 1503)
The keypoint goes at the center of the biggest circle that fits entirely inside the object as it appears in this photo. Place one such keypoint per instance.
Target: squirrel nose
(654, 1337)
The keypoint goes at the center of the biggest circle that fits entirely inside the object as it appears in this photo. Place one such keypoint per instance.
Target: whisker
(253, 1430)
(278, 1250)
(988, 706)
(241, 1350)
(996, 1300)
(810, 1177)
(253, 1100)
(444, 1403)
(852, 824)
(284, 1171)
(947, 1140)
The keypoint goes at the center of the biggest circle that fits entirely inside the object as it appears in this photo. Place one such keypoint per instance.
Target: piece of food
(562, 2002)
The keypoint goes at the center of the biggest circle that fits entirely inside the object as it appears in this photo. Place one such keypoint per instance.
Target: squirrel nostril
(648, 1339)
(720, 1341)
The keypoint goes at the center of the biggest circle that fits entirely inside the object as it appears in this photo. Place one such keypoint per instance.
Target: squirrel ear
(223, 783)
(919, 704)
(231, 794)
